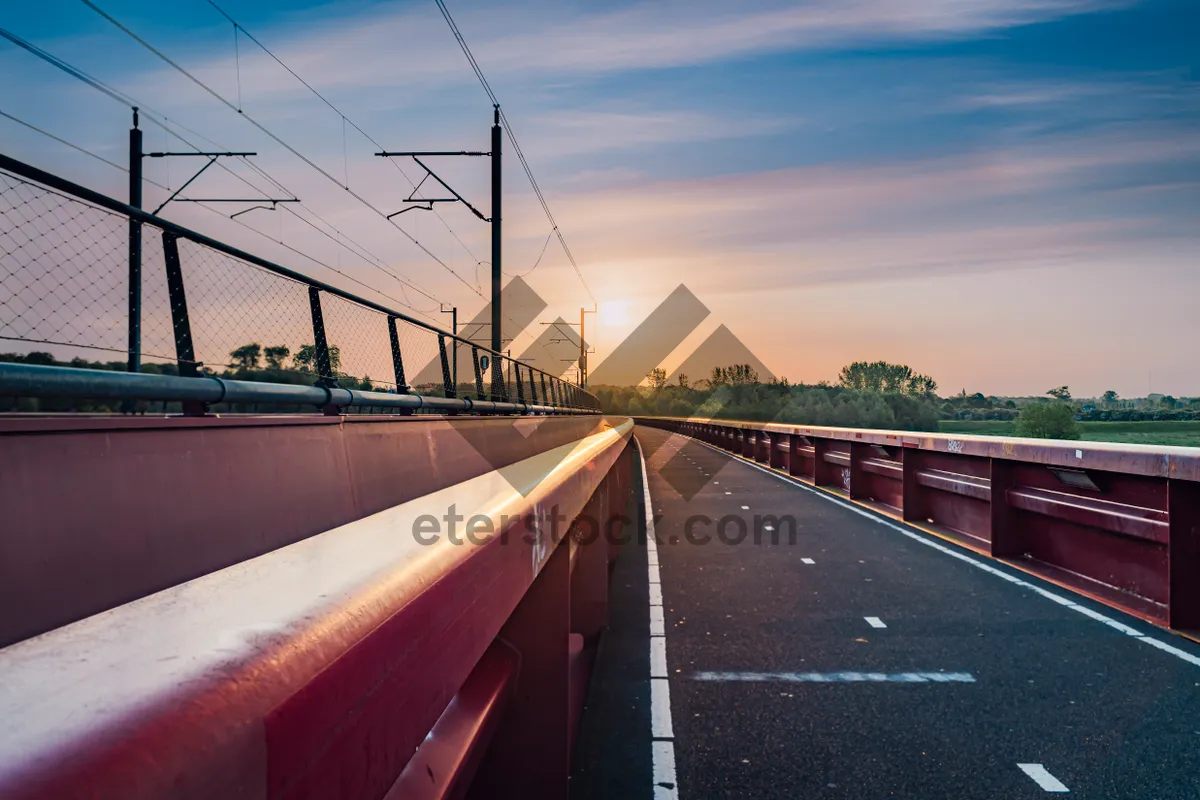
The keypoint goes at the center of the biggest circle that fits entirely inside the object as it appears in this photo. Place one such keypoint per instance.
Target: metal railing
(81, 270)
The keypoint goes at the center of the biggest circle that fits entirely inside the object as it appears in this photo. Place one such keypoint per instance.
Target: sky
(1003, 194)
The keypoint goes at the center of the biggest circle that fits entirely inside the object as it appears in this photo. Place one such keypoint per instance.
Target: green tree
(1061, 393)
(683, 380)
(276, 356)
(658, 378)
(1110, 398)
(306, 358)
(886, 378)
(246, 356)
(1048, 420)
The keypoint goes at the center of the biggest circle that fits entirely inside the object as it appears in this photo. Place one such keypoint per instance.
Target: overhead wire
(168, 125)
(512, 138)
(274, 137)
(345, 120)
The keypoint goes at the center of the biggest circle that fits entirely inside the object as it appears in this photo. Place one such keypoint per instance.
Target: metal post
(497, 338)
(478, 373)
(135, 248)
(497, 342)
(397, 358)
(451, 390)
(185, 355)
(325, 376)
(454, 330)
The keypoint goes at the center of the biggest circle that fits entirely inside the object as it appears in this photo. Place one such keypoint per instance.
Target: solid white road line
(807, 561)
(835, 677)
(875, 622)
(1042, 777)
(745, 508)
(918, 537)
(662, 746)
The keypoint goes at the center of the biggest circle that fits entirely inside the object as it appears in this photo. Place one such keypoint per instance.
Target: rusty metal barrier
(360, 662)
(1119, 523)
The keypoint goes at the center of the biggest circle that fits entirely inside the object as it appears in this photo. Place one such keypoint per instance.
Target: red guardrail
(319, 669)
(1120, 523)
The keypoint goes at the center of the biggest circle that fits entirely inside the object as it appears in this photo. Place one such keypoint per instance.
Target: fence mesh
(64, 288)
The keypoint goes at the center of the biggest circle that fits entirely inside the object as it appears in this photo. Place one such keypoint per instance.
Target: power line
(163, 56)
(345, 120)
(164, 123)
(512, 137)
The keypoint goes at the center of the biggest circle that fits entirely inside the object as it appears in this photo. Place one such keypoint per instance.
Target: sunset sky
(1004, 194)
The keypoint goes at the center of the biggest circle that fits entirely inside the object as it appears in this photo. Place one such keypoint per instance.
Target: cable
(163, 122)
(83, 150)
(345, 119)
(151, 48)
(512, 138)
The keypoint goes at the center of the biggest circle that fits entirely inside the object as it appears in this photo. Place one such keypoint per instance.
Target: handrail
(29, 380)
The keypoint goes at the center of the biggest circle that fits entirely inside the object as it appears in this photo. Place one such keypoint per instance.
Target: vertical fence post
(185, 354)
(1004, 535)
(533, 394)
(449, 388)
(520, 386)
(325, 376)
(397, 357)
(545, 394)
(478, 372)
(398, 362)
(135, 248)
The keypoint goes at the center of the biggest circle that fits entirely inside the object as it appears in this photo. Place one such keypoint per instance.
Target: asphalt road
(854, 660)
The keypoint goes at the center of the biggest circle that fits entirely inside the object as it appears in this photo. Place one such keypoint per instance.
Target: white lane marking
(662, 746)
(835, 677)
(1042, 777)
(660, 709)
(658, 657)
(916, 537)
(729, 493)
(656, 594)
(745, 508)
(807, 561)
(663, 754)
(657, 624)
(875, 622)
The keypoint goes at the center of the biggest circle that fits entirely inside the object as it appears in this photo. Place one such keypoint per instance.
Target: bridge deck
(866, 660)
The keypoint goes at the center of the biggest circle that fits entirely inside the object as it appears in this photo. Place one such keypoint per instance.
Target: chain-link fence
(200, 307)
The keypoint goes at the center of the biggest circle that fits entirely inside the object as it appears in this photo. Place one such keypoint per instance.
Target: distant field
(1186, 434)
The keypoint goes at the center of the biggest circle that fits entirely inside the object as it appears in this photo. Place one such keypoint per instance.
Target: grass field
(1185, 434)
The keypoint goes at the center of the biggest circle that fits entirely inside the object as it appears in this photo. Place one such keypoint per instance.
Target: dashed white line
(1042, 777)
(875, 622)
(835, 677)
(663, 754)
(656, 594)
(660, 709)
(745, 508)
(807, 561)
(657, 623)
(1062, 601)
(658, 657)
